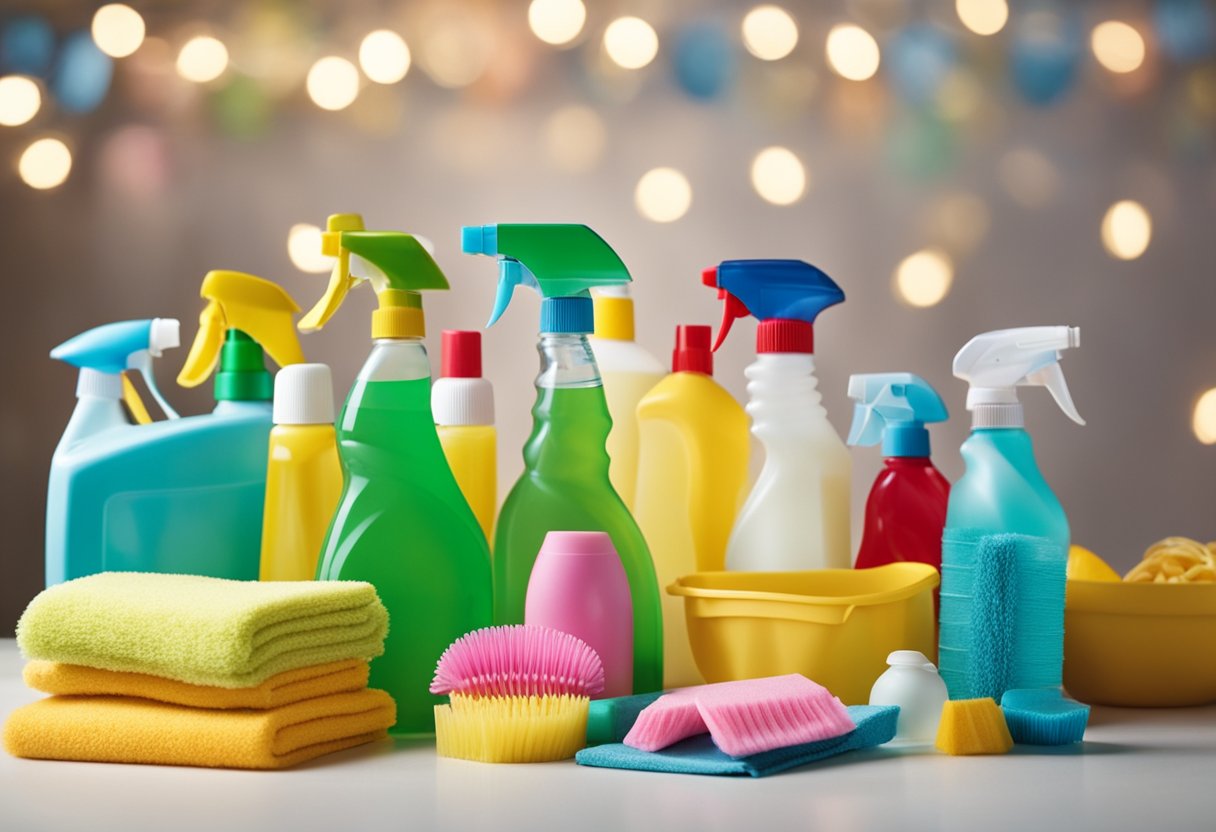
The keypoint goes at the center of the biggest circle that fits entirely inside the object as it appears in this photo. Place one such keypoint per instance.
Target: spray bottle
(906, 510)
(402, 523)
(181, 495)
(1002, 491)
(565, 484)
(303, 475)
(797, 515)
(628, 372)
(463, 404)
(692, 469)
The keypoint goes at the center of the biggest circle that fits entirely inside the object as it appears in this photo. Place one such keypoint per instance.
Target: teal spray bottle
(565, 484)
(1005, 545)
(179, 495)
(906, 509)
(402, 523)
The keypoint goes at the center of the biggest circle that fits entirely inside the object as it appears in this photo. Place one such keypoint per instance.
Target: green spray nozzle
(894, 408)
(396, 265)
(557, 260)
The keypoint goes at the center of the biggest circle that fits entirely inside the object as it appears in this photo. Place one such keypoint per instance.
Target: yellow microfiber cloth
(119, 729)
(281, 689)
(204, 631)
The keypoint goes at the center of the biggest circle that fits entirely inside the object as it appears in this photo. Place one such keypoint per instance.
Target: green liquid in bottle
(404, 526)
(565, 487)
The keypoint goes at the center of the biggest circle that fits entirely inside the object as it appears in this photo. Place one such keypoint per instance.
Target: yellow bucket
(1139, 644)
(835, 626)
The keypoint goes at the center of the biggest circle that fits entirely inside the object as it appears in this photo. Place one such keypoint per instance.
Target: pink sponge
(744, 717)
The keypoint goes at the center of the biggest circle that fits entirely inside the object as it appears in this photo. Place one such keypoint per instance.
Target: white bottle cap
(462, 401)
(166, 334)
(304, 395)
(97, 384)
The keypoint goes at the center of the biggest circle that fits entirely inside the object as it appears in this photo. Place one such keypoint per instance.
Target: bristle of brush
(784, 715)
(515, 729)
(519, 660)
(666, 721)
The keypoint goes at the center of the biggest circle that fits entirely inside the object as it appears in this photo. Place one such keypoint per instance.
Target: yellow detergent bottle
(463, 404)
(692, 467)
(628, 372)
(303, 476)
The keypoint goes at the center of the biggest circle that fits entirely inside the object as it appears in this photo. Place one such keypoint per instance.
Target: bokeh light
(45, 164)
(923, 279)
(455, 52)
(852, 52)
(202, 59)
(333, 83)
(960, 220)
(769, 32)
(20, 100)
(557, 22)
(304, 249)
(118, 30)
(1203, 420)
(1127, 229)
(631, 42)
(984, 17)
(384, 57)
(663, 195)
(778, 176)
(1117, 46)
(575, 138)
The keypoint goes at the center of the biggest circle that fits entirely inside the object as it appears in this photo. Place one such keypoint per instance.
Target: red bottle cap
(692, 353)
(783, 335)
(461, 356)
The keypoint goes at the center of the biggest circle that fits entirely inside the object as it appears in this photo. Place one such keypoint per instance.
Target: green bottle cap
(242, 376)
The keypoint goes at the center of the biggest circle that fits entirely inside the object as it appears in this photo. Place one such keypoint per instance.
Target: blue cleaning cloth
(699, 755)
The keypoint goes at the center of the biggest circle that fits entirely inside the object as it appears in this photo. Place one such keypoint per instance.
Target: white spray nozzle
(163, 334)
(996, 363)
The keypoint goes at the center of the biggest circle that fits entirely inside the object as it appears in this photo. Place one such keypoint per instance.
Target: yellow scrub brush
(518, 694)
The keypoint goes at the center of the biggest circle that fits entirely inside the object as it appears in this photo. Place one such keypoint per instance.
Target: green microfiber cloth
(699, 755)
(204, 631)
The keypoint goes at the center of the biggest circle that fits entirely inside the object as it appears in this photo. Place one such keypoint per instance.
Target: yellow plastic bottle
(303, 477)
(692, 469)
(463, 404)
(628, 372)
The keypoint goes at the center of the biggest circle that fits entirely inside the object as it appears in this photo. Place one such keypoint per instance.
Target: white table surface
(1143, 770)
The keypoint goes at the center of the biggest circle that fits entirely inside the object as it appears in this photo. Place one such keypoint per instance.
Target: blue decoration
(704, 60)
(1046, 53)
(1185, 28)
(82, 74)
(918, 60)
(27, 45)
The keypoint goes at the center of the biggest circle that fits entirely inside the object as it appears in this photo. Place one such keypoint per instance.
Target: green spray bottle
(402, 522)
(565, 483)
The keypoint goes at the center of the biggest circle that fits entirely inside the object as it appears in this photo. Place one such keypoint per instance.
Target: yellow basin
(835, 626)
(1140, 644)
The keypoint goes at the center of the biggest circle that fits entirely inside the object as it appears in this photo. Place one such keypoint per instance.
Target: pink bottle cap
(578, 543)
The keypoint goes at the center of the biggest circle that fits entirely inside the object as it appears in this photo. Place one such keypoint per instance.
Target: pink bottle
(578, 586)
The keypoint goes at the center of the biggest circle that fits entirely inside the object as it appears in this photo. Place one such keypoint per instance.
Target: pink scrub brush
(518, 694)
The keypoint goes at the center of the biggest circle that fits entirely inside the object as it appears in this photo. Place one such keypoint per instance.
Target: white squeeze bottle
(628, 371)
(797, 514)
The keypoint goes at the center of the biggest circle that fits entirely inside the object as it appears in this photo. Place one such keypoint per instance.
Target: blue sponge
(1043, 717)
(699, 755)
(994, 599)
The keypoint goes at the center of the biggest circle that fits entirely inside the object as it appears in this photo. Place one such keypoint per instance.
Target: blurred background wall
(956, 167)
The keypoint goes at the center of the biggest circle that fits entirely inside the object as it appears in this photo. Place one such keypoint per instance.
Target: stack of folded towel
(187, 670)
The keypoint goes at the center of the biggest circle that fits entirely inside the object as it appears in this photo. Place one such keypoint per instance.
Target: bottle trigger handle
(1052, 377)
(732, 310)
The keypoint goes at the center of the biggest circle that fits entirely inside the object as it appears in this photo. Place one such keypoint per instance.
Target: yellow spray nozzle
(257, 307)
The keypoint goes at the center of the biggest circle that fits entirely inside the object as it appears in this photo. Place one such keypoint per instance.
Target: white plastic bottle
(628, 371)
(797, 514)
(911, 682)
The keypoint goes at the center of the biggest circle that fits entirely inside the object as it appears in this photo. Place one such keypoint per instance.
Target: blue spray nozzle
(110, 348)
(894, 408)
(771, 290)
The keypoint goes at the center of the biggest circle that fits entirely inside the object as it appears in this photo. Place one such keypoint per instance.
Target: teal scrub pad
(994, 599)
(609, 720)
(1043, 717)
(699, 755)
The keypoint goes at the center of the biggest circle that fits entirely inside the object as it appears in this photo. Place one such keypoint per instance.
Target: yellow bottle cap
(613, 318)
